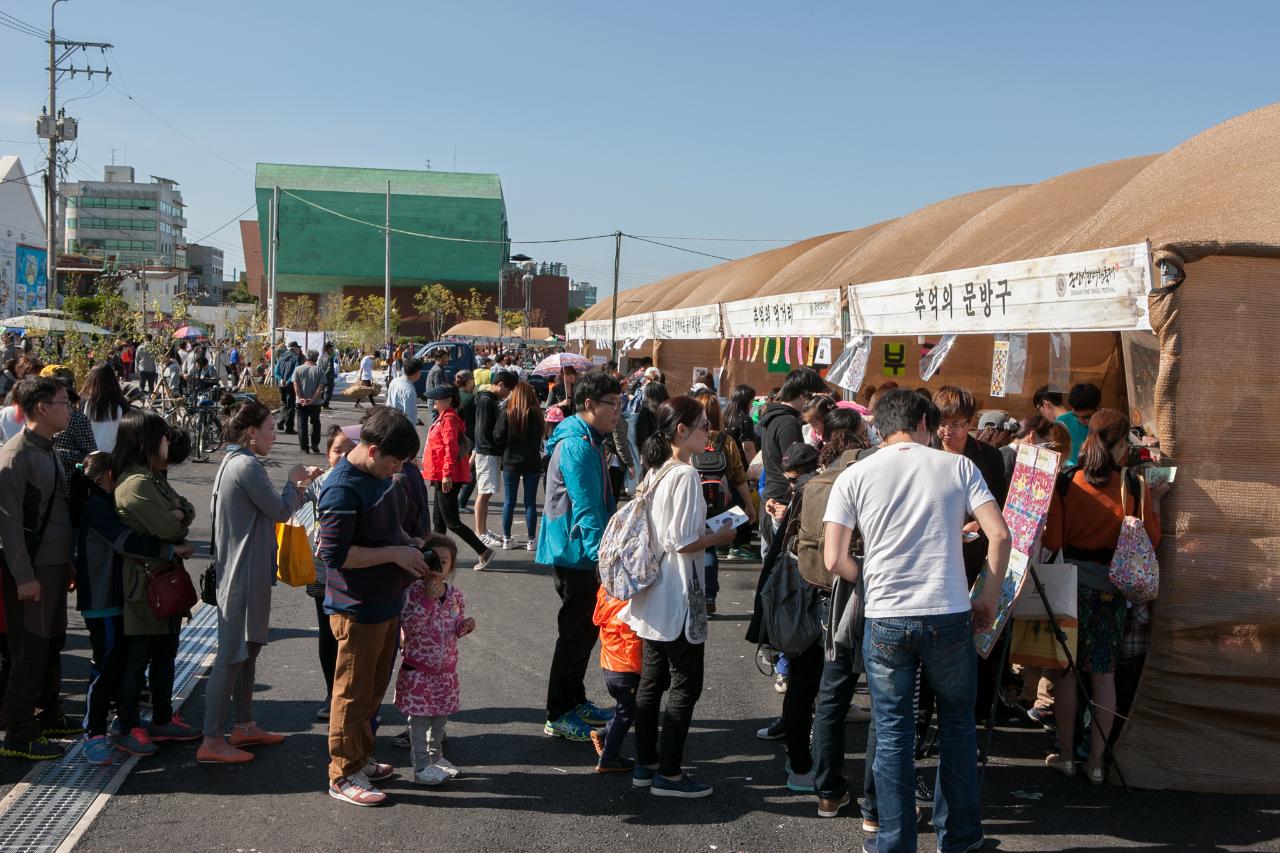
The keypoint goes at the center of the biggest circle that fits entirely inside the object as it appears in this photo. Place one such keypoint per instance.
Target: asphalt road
(523, 791)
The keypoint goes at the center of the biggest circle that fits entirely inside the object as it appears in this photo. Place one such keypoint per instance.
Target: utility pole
(386, 284)
(144, 295)
(273, 245)
(57, 128)
(617, 263)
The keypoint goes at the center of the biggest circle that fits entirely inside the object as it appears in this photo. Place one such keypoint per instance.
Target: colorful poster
(999, 367)
(29, 279)
(1025, 510)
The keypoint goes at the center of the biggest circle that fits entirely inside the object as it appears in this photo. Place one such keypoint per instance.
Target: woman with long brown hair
(105, 404)
(519, 434)
(1084, 521)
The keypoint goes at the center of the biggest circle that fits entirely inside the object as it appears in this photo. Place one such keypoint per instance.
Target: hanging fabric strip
(755, 349)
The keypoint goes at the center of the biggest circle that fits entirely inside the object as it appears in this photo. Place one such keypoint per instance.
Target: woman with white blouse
(670, 616)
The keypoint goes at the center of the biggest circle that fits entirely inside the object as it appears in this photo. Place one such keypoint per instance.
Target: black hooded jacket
(781, 425)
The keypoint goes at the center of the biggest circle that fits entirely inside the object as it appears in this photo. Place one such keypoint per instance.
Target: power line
(15, 23)
(713, 239)
(22, 178)
(381, 227)
(235, 218)
(178, 130)
(678, 248)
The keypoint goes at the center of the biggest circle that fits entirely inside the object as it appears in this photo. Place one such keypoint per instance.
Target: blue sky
(753, 120)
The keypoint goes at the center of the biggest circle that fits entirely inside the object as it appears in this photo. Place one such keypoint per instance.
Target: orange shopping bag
(294, 564)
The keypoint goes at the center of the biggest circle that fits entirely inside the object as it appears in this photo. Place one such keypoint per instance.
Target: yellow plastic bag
(294, 564)
(1034, 643)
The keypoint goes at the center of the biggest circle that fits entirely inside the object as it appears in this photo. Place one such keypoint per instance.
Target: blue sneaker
(641, 776)
(800, 782)
(593, 715)
(683, 787)
(97, 750)
(569, 727)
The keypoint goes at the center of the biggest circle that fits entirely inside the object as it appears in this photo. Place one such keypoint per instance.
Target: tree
(575, 313)
(511, 321)
(439, 305)
(367, 322)
(536, 316)
(475, 306)
(298, 314)
(241, 293)
(335, 312)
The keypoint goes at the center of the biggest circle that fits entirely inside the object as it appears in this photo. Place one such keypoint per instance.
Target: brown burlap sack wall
(1207, 715)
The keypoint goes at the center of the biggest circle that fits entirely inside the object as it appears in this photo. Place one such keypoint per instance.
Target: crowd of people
(895, 499)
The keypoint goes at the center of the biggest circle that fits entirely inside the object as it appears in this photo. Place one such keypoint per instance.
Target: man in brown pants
(36, 533)
(369, 561)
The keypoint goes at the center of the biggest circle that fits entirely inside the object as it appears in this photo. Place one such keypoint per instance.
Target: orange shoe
(222, 752)
(251, 735)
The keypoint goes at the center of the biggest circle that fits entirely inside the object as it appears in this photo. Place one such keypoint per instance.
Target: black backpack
(712, 465)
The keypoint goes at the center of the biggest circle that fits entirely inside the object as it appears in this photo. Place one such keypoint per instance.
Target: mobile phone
(971, 537)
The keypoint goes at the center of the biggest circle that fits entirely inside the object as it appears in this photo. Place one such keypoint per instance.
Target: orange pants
(360, 677)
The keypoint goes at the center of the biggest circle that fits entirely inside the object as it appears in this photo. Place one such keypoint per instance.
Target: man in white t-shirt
(910, 503)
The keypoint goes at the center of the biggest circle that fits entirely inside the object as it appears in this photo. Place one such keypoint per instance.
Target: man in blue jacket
(578, 505)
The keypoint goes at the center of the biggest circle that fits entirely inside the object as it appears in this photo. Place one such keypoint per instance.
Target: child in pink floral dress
(427, 687)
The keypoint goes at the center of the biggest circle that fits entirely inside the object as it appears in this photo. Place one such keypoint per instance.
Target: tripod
(1061, 637)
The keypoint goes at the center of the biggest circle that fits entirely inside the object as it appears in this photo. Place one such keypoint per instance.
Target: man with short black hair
(438, 375)
(780, 422)
(1084, 400)
(577, 507)
(284, 367)
(36, 534)
(329, 365)
(909, 502)
(308, 380)
(488, 454)
(402, 393)
(369, 561)
(1049, 403)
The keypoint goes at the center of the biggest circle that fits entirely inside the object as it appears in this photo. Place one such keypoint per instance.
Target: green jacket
(146, 503)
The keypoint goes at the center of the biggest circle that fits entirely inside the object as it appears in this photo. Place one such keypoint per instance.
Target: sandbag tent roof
(489, 329)
(1211, 208)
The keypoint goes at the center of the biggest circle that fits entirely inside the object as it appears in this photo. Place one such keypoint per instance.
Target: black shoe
(776, 730)
(621, 764)
(60, 725)
(924, 794)
(291, 432)
(711, 607)
(39, 749)
(315, 450)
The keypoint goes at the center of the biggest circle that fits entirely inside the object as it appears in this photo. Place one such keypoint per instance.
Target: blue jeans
(512, 480)
(835, 695)
(711, 574)
(941, 646)
(622, 687)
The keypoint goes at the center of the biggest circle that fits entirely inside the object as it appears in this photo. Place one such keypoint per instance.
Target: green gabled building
(321, 251)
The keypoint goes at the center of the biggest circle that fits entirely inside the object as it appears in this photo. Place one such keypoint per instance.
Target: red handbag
(170, 591)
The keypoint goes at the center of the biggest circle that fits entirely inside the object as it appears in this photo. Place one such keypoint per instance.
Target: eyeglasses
(55, 402)
(615, 403)
(954, 426)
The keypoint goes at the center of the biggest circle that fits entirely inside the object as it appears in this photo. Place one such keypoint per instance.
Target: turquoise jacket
(578, 500)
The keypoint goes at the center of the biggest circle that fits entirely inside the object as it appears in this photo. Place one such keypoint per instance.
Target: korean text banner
(635, 327)
(574, 331)
(688, 324)
(1096, 291)
(813, 313)
(599, 330)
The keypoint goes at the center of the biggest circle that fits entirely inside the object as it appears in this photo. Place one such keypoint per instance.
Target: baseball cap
(440, 392)
(799, 457)
(994, 418)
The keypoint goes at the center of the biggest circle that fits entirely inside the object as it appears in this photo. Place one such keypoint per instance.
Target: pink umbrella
(554, 364)
(188, 332)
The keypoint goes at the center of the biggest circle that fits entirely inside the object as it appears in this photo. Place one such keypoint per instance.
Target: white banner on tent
(688, 324)
(1097, 291)
(634, 327)
(574, 331)
(598, 330)
(812, 313)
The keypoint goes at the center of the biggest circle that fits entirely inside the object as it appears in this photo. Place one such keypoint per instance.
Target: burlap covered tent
(1207, 714)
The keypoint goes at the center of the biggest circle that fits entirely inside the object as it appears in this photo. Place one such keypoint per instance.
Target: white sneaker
(506, 543)
(432, 774)
(448, 767)
(490, 541)
(485, 559)
(531, 545)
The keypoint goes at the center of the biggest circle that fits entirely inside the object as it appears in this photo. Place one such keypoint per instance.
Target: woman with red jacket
(447, 463)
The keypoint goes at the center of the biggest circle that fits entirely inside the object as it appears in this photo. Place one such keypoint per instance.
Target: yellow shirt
(483, 376)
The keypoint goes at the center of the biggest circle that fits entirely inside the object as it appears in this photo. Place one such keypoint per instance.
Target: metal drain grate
(56, 795)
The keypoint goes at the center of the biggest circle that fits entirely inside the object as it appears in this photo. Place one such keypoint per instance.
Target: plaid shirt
(1137, 631)
(74, 443)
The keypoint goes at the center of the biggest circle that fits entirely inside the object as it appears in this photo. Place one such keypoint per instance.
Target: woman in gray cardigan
(245, 509)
